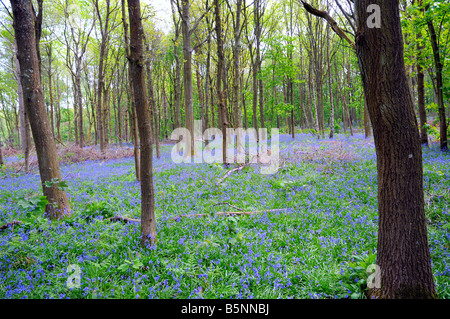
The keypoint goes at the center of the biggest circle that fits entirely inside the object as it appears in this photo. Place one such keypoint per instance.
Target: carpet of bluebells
(311, 247)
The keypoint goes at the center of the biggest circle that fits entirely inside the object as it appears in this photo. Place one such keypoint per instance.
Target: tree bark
(402, 253)
(34, 104)
(148, 221)
(133, 118)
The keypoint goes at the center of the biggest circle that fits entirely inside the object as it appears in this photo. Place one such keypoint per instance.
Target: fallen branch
(230, 213)
(232, 206)
(123, 219)
(230, 172)
(60, 142)
(7, 225)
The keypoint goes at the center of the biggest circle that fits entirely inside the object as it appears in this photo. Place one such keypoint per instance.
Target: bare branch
(330, 20)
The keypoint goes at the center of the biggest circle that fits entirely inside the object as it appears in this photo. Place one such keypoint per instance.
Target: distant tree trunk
(421, 105)
(330, 86)
(1, 155)
(207, 81)
(177, 87)
(133, 117)
(148, 221)
(101, 118)
(220, 67)
(258, 13)
(438, 66)
(236, 65)
(58, 110)
(187, 69)
(153, 108)
(24, 121)
(79, 103)
(34, 104)
(347, 104)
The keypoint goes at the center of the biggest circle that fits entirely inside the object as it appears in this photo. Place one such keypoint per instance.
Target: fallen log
(7, 225)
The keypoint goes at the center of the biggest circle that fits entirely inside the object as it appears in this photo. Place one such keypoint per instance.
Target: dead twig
(228, 204)
(230, 172)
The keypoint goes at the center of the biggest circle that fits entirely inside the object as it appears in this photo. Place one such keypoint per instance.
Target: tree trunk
(24, 121)
(236, 65)
(329, 86)
(438, 66)
(153, 108)
(148, 221)
(133, 119)
(220, 68)
(34, 104)
(177, 87)
(402, 253)
(187, 69)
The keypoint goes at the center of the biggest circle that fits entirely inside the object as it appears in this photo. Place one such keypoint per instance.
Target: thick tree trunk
(34, 104)
(148, 221)
(403, 254)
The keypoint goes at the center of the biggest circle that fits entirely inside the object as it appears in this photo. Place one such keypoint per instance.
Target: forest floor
(310, 231)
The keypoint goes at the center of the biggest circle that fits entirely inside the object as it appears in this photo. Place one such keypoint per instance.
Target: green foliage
(34, 205)
(357, 277)
(61, 185)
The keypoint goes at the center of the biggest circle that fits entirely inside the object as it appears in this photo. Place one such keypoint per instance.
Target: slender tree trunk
(24, 121)
(220, 67)
(421, 96)
(34, 103)
(1, 155)
(177, 92)
(236, 65)
(133, 117)
(187, 69)
(330, 86)
(148, 220)
(438, 66)
(153, 108)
